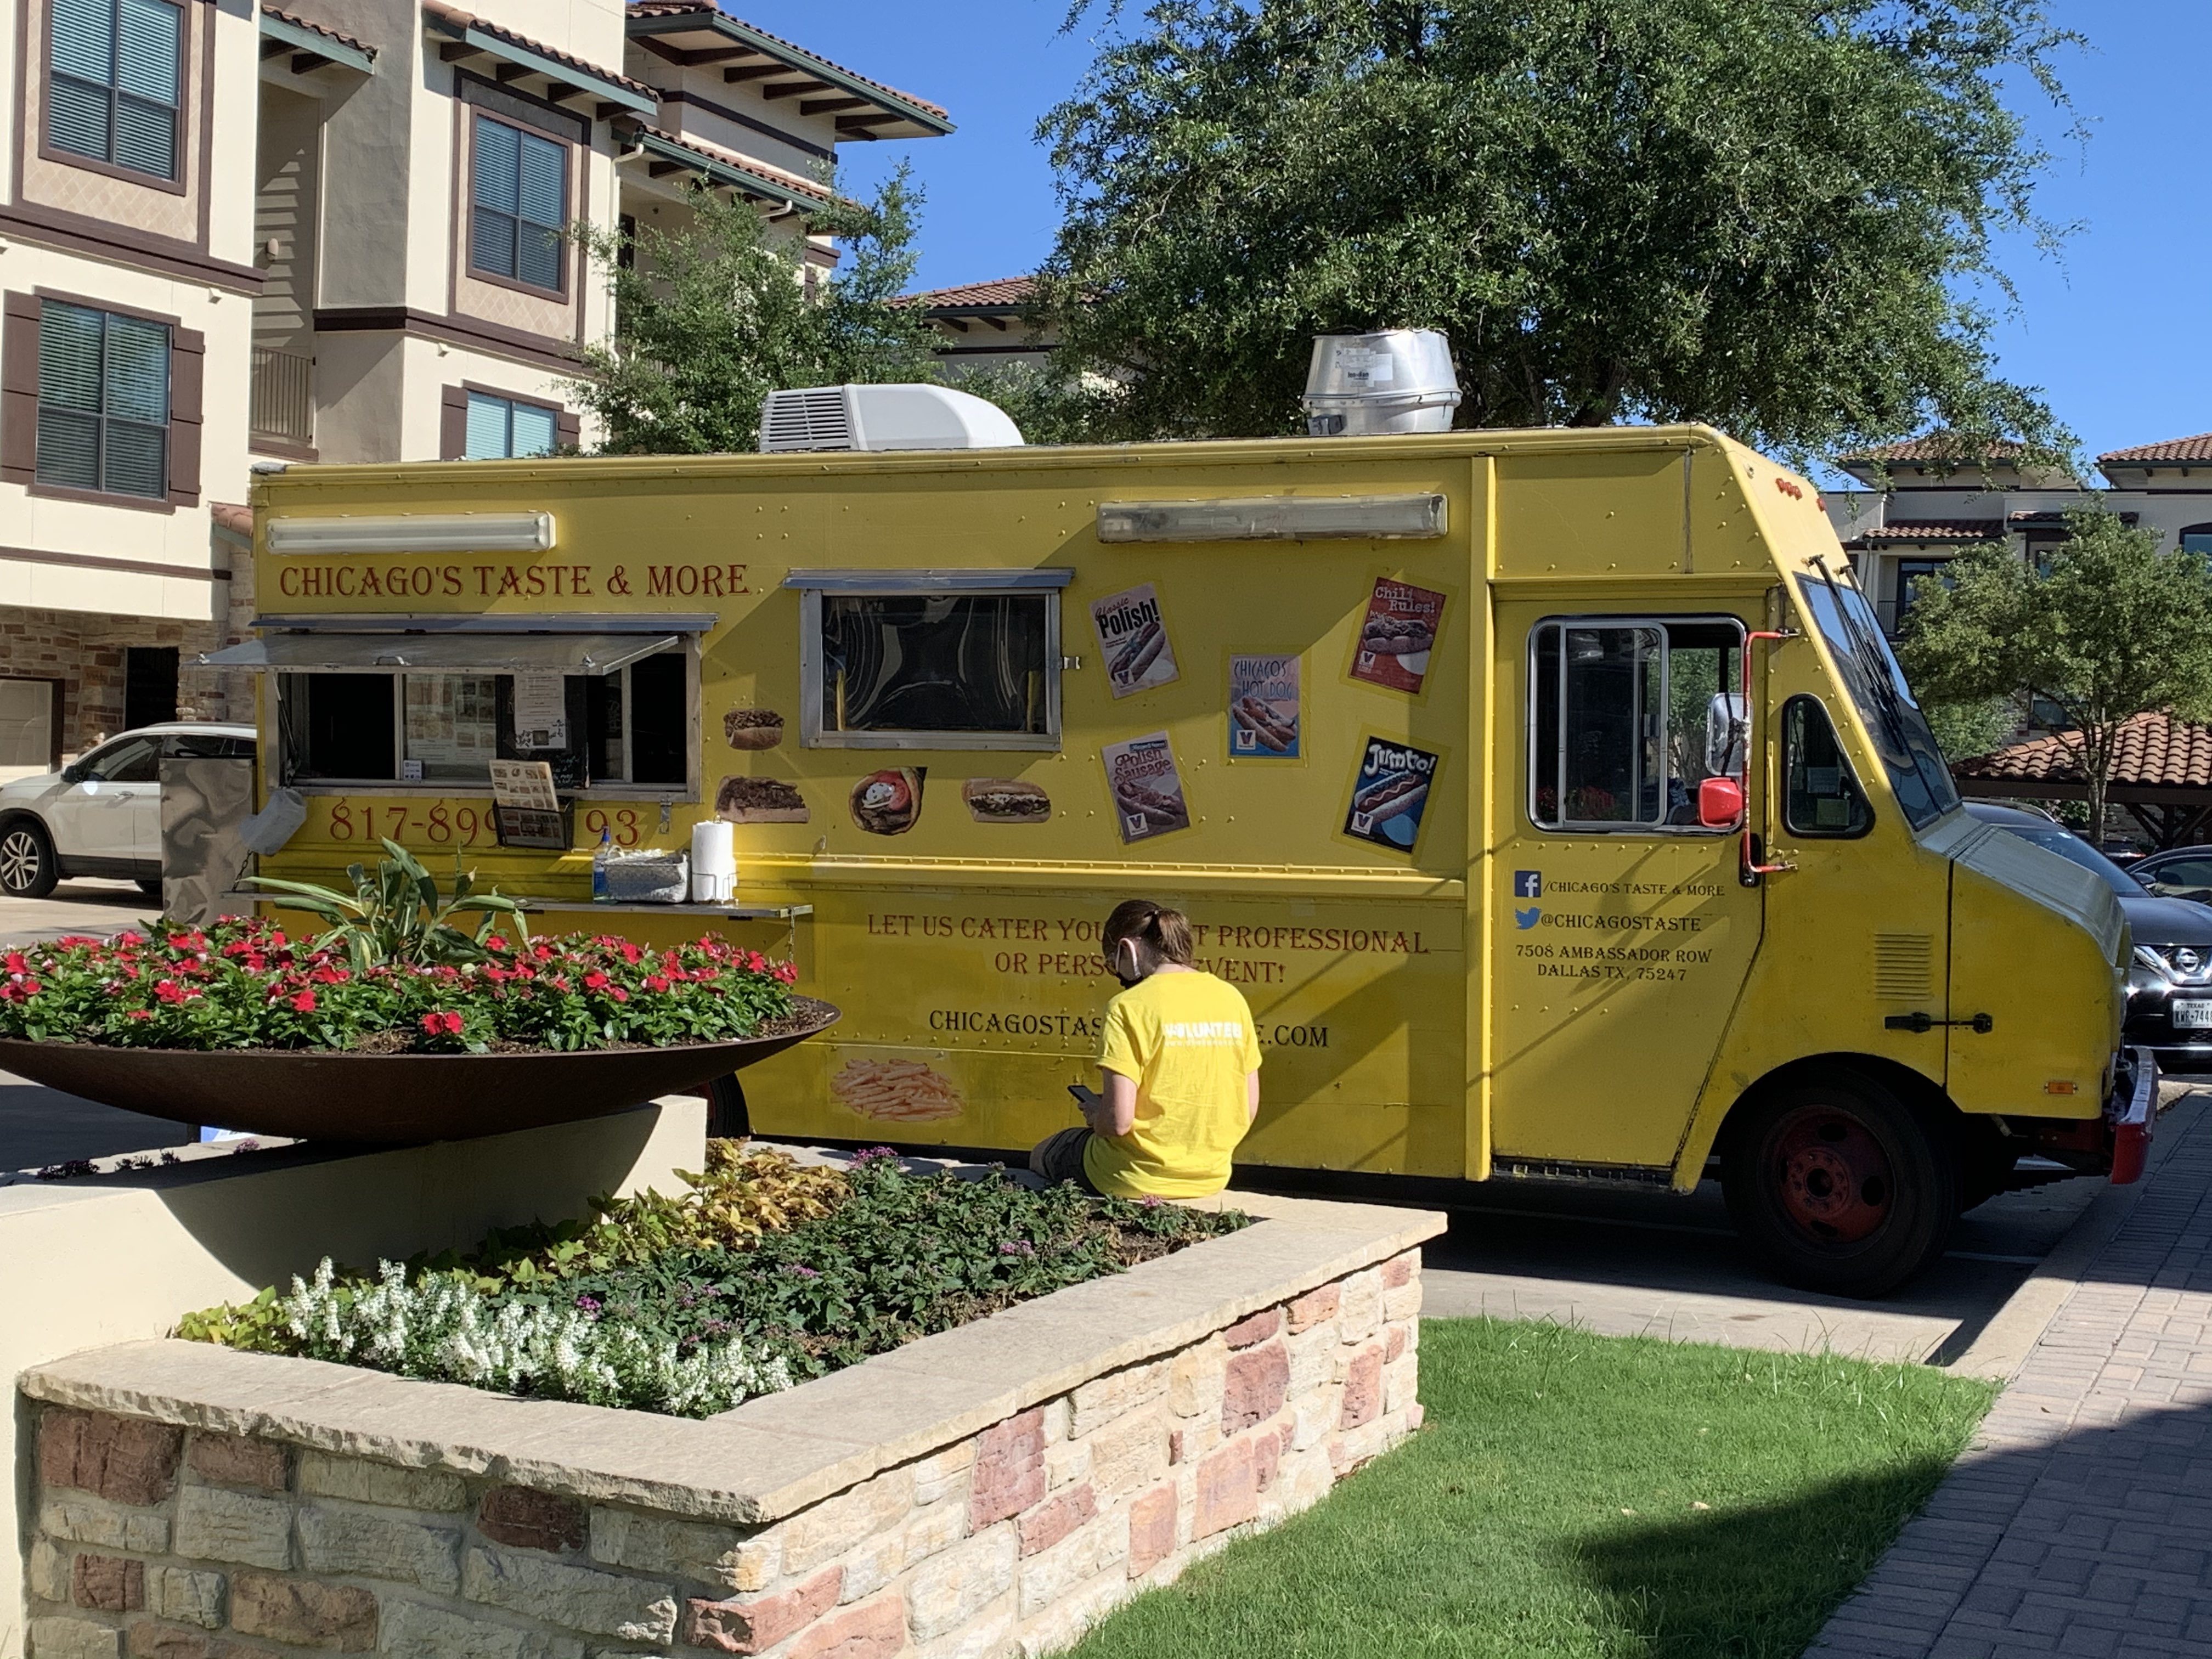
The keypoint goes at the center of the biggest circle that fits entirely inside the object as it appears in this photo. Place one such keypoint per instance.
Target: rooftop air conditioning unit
(875, 417)
(1361, 385)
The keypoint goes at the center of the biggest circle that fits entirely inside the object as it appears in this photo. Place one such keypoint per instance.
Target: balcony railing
(283, 397)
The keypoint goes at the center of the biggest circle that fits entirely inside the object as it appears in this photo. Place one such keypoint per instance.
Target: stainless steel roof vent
(1361, 385)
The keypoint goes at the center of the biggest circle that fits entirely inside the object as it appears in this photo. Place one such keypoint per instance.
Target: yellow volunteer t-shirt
(1186, 1040)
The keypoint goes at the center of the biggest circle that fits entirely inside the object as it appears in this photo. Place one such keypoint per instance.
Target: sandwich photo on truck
(1552, 797)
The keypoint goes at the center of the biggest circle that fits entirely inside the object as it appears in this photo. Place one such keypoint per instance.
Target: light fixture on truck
(1277, 518)
(414, 532)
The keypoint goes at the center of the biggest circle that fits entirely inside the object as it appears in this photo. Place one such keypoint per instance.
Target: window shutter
(568, 430)
(19, 388)
(453, 425)
(187, 365)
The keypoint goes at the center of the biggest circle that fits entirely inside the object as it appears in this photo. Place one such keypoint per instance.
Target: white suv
(101, 814)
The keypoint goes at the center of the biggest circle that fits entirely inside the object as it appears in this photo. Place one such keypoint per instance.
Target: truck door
(1623, 935)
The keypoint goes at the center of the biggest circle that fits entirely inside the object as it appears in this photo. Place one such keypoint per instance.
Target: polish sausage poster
(1396, 634)
(1390, 794)
(1147, 789)
(1263, 707)
(1134, 634)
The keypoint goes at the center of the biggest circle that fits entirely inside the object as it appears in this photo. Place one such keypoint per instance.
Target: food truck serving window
(930, 660)
(626, 729)
(1627, 716)
(1906, 748)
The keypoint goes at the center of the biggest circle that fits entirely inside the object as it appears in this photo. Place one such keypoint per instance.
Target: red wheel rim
(1832, 1176)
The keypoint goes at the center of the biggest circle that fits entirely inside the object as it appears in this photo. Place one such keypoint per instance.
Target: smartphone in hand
(1085, 1097)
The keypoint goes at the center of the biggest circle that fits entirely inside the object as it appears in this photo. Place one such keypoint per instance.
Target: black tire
(1839, 1184)
(28, 868)
(1985, 1163)
(727, 1117)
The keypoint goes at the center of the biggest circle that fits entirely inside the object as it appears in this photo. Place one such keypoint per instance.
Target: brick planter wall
(210, 1522)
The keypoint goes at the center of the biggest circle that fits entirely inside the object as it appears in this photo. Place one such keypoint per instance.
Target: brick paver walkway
(2081, 1521)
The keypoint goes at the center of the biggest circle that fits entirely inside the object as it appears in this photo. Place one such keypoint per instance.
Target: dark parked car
(2170, 982)
(2186, 872)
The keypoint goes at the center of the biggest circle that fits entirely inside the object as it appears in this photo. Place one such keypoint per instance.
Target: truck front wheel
(1840, 1185)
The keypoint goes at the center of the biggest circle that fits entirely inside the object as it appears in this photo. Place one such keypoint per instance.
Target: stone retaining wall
(180, 1525)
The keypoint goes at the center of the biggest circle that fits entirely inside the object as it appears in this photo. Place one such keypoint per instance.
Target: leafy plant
(396, 915)
(761, 1271)
(245, 984)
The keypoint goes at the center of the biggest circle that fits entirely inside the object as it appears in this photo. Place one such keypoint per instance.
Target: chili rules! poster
(1396, 634)
(1390, 795)
(1147, 787)
(1134, 634)
(1263, 707)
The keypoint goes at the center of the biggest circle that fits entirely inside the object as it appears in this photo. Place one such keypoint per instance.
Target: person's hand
(1087, 1100)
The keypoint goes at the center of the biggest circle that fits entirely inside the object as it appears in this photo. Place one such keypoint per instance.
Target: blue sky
(2116, 329)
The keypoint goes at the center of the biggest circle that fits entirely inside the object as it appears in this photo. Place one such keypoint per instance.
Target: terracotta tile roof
(1935, 447)
(313, 28)
(2172, 450)
(794, 182)
(710, 7)
(1935, 530)
(454, 17)
(2154, 751)
(1005, 291)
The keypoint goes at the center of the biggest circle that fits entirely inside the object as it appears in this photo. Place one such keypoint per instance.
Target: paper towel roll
(714, 850)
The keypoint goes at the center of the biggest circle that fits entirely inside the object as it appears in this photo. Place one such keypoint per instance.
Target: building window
(1628, 716)
(103, 401)
(1916, 577)
(631, 728)
(116, 83)
(2197, 538)
(503, 429)
(519, 193)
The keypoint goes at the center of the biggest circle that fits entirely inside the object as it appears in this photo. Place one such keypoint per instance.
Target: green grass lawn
(1581, 1495)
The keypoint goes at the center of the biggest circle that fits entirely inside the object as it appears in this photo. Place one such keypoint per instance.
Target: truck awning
(444, 654)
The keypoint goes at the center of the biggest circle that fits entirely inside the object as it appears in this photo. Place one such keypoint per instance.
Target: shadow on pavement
(41, 1126)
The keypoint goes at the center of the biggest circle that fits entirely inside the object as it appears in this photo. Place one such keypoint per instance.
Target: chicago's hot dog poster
(1147, 789)
(1263, 707)
(1134, 634)
(1396, 634)
(1390, 795)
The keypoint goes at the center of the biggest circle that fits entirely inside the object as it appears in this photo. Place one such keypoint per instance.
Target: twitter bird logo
(1527, 919)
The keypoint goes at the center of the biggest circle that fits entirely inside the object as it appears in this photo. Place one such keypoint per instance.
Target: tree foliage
(1777, 215)
(2106, 626)
(713, 316)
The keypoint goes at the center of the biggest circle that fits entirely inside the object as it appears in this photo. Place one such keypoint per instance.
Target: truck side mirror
(1720, 803)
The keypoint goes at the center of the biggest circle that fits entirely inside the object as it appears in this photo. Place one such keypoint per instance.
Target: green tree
(712, 317)
(1963, 730)
(2106, 626)
(1777, 215)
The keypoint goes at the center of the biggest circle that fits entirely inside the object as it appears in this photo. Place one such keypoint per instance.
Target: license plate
(2191, 1016)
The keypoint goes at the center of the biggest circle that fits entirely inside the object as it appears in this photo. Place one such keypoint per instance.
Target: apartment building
(1920, 512)
(236, 233)
(986, 324)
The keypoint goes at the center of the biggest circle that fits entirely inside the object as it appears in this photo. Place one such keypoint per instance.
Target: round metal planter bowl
(390, 1100)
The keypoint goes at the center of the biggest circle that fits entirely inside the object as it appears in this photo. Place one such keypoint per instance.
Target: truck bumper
(2130, 1111)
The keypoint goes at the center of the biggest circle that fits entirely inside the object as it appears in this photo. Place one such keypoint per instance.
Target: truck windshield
(1917, 775)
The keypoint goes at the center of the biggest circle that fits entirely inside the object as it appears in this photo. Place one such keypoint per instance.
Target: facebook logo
(1527, 884)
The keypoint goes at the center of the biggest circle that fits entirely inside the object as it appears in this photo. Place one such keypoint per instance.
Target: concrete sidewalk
(2081, 1522)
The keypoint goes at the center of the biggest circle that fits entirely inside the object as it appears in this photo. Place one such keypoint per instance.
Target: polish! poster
(1397, 634)
(1147, 790)
(1390, 794)
(1134, 634)
(1263, 707)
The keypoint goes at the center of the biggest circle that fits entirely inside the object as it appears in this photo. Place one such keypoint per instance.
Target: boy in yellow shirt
(1181, 1065)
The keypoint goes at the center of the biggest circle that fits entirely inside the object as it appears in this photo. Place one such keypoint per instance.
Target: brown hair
(1151, 924)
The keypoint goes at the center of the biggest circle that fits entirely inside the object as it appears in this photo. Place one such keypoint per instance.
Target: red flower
(169, 991)
(304, 1003)
(755, 962)
(631, 954)
(442, 1024)
(619, 994)
(786, 974)
(277, 939)
(15, 964)
(595, 981)
(543, 952)
(497, 942)
(655, 982)
(139, 1013)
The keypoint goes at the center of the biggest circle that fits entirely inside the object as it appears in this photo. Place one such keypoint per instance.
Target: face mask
(1126, 951)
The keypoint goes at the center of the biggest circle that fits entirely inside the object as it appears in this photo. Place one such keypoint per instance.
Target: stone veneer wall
(157, 1541)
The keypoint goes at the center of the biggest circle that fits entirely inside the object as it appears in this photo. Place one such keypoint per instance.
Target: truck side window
(1627, 716)
(1819, 796)
(932, 669)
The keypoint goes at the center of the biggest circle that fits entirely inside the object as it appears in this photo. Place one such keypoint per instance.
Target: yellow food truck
(1553, 796)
